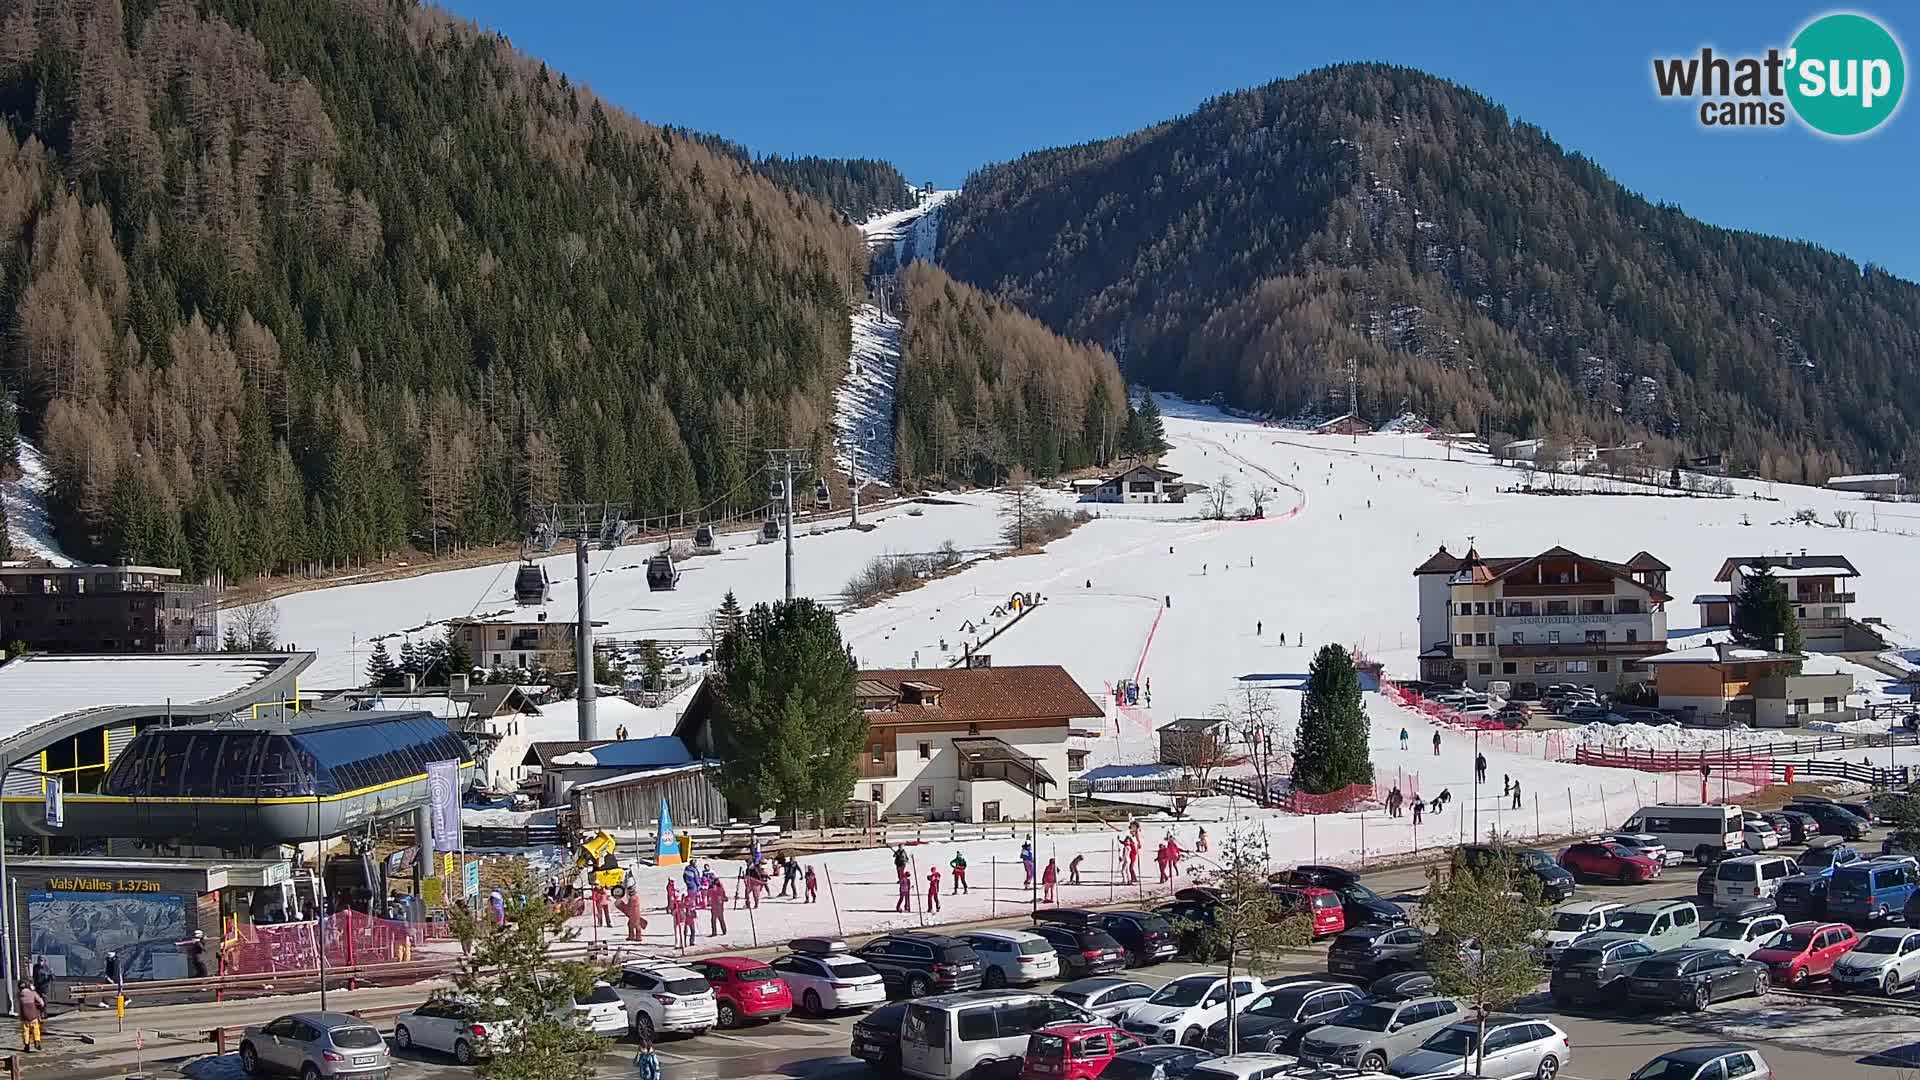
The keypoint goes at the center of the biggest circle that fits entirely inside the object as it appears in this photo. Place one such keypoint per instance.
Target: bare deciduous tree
(1258, 495)
(1257, 727)
(1019, 503)
(1220, 498)
(252, 628)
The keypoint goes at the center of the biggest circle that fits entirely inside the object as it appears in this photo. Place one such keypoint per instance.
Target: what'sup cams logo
(1842, 76)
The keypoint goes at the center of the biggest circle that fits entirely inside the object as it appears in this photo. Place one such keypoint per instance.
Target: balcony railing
(1824, 598)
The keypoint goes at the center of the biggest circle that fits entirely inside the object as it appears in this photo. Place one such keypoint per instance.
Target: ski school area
(1160, 613)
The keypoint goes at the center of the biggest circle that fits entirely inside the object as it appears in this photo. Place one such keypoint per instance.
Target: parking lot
(1801, 1037)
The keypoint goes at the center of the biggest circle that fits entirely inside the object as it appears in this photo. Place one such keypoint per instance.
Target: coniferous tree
(381, 670)
(1153, 428)
(1763, 614)
(1331, 747)
(653, 664)
(785, 726)
(458, 660)
(410, 660)
(720, 626)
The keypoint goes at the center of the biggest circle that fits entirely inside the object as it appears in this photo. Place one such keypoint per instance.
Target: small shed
(1193, 741)
(564, 765)
(632, 799)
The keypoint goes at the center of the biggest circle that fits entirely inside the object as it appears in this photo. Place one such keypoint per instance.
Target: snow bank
(26, 503)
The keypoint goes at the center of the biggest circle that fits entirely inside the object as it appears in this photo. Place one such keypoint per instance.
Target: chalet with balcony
(1820, 586)
(1558, 616)
(1141, 484)
(106, 609)
(1730, 683)
(961, 744)
(521, 643)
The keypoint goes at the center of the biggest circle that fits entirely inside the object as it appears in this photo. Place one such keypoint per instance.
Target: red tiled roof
(975, 695)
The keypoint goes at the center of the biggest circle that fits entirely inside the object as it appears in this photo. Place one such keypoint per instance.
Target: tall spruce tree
(1763, 613)
(1153, 429)
(458, 660)
(1330, 751)
(785, 726)
(381, 670)
(410, 659)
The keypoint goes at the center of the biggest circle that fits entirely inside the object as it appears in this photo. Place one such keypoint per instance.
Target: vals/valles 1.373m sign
(1843, 75)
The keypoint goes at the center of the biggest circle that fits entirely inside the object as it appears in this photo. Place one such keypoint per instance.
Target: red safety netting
(351, 937)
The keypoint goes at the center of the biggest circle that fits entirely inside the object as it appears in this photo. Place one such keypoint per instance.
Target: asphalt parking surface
(1799, 1038)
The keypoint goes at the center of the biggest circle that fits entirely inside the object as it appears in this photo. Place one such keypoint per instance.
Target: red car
(1805, 951)
(1074, 1051)
(1329, 915)
(1605, 859)
(747, 989)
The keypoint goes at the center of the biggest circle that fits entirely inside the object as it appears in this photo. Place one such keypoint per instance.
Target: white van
(1704, 832)
(951, 1035)
(1750, 877)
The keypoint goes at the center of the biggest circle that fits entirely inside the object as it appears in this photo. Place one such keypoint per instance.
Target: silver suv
(1517, 1047)
(1371, 1034)
(315, 1044)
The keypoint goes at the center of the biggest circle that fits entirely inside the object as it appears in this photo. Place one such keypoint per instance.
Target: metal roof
(50, 691)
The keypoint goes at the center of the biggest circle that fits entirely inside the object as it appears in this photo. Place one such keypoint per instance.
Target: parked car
(1759, 832)
(1574, 920)
(1707, 833)
(1835, 820)
(1013, 957)
(662, 998)
(951, 1036)
(1739, 932)
(1750, 877)
(1147, 936)
(1275, 1021)
(1189, 913)
(1246, 1067)
(1361, 905)
(461, 1029)
(916, 965)
(1884, 960)
(1183, 1010)
(1870, 892)
(1403, 986)
(1826, 853)
(1797, 826)
(1105, 996)
(603, 1013)
(1584, 712)
(1861, 810)
(1371, 1034)
(1805, 951)
(1703, 888)
(1715, 1062)
(1322, 904)
(1604, 860)
(1074, 1051)
(1556, 884)
(876, 1037)
(1803, 896)
(1516, 1047)
(1647, 844)
(1633, 714)
(1368, 952)
(824, 978)
(310, 1044)
(1596, 968)
(1083, 951)
(1662, 924)
(1155, 1063)
(745, 989)
(1696, 978)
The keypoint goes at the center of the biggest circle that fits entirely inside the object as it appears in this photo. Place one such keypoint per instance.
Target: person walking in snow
(790, 881)
(933, 888)
(1257, 624)
(716, 907)
(1418, 809)
(1403, 740)
(1516, 794)
(905, 900)
(1479, 768)
(1048, 879)
(1436, 744)
(900, 857)
(813, 886)
(1201, 845)
(959, 865)
(1073, 869)
(1026, 863)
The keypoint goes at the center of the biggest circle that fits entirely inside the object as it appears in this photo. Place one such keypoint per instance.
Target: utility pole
(788, 500)
(784, 465)
(586, 688)
(853, 481)
(1353, 396)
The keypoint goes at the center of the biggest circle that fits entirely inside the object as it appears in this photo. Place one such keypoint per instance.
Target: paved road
(1815, 1039)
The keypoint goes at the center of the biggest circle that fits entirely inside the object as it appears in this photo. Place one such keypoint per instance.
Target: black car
(1274, 1022)
(1189, 919)
(876, 1037)
(1803, 896)
(1861, 810)
(920, 964)
(1703, 885)
(1403, 986)
(1368, 952)
(1834, 819)
(1083, 951)
(1798, 827)
(1155, 1063)
(1696, 978)
(1362, 906)
(1147, 937)
(1556, 884)
(1597, 968)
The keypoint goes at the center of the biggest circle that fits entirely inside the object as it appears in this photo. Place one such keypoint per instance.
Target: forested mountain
(984, 387)
(1477, 273)
(299, 282)
(857, 187)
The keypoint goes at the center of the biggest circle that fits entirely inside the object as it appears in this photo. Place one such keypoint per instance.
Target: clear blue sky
(940, 89)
